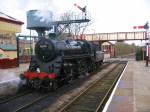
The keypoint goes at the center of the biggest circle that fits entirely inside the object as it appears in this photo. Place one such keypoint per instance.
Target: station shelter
(9, 26)
(108, 49)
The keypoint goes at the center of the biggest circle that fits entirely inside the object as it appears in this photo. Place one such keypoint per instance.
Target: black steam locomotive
(57, 61)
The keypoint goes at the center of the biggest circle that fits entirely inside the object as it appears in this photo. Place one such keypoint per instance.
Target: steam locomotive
(58, 61)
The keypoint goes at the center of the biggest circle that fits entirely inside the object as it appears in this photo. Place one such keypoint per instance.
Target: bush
(124, 49)
(139, 54)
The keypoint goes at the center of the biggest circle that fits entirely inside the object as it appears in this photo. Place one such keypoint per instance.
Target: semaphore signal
(138, 27)
(146, 26)
(82, 9)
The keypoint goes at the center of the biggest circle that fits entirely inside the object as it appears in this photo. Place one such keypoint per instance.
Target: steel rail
(104, 100)
(5, 99)
(40, 98)
(23, 107)
(84, 91)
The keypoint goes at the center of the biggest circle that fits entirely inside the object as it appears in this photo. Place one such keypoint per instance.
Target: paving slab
(133, 91)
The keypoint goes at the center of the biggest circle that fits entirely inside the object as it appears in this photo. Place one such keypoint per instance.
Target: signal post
(147, 38)
(146, 27)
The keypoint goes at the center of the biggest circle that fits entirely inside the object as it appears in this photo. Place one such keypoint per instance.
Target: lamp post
(17, 40)
(93, 34)
(146, 27)
(30, 44)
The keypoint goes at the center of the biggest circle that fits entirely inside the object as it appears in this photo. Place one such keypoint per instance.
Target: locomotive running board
(76, 56)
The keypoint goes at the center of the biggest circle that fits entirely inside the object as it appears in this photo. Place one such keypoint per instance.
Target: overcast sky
(107, 15)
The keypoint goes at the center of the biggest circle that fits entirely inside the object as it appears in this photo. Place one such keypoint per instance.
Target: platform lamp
(146, 27)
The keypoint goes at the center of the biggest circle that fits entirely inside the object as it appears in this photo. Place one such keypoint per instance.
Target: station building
(109, 49)
(9, 26)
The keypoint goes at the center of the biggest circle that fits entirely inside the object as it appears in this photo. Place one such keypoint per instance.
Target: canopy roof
(9, 19)
(9, 24)
(8, 47)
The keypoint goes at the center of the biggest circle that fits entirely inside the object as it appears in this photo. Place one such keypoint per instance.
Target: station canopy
(9, 24)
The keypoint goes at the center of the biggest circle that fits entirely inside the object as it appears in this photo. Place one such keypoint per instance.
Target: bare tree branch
(73, 29)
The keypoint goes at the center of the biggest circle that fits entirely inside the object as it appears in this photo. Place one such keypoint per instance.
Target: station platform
(133, 90)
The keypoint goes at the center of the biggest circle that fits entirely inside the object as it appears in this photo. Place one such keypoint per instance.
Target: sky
(106, 15)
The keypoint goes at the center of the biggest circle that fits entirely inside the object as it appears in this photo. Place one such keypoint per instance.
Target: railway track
(30, 102)
(6, 99)
(23, 107)
(95, 96)
(20, 101)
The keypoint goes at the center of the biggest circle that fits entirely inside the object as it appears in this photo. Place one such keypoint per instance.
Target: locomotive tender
(58, 61)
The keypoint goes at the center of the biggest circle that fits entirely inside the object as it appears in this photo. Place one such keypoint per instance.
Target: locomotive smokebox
(39, 20)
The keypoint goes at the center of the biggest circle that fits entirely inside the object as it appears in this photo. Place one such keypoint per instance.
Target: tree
(73, 29)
